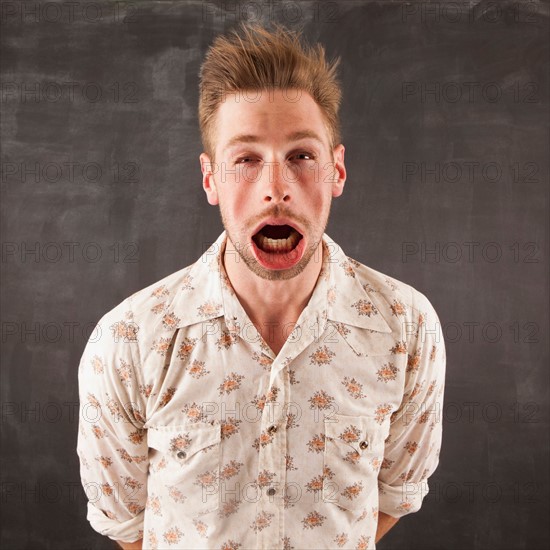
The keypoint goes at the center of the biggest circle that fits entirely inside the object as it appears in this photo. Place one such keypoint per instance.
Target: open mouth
(280, 239)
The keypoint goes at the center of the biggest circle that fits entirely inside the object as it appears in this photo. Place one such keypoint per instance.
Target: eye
(245, 160)
(302, 154)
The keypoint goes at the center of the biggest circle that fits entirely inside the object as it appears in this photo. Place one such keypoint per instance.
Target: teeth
(278, 245)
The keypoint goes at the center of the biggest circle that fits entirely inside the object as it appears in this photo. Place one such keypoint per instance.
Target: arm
(112, 444)
(385, 523)
(411, 451)
(131, 545)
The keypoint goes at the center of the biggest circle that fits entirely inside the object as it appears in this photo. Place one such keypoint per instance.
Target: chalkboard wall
(445, 123)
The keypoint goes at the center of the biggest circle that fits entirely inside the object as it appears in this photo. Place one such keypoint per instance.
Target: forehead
(269, 114)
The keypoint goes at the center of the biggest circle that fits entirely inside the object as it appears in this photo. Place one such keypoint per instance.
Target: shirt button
(272, 429)
(363, 445)
(181, 454)
(271, 491)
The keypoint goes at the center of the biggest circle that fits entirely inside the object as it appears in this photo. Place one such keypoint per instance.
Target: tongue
(277, 231)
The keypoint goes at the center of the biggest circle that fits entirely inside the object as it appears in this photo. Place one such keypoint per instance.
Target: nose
(277, 188)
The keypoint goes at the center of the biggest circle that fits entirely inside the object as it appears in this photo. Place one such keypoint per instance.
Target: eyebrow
(294, 136)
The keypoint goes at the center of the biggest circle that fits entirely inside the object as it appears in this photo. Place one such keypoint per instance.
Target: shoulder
(143, 309)
(410, 314)
(397, 297)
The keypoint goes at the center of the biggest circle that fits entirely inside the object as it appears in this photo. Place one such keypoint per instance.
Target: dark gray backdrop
(445, 125)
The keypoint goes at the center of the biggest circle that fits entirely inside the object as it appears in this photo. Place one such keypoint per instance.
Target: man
(276, 393)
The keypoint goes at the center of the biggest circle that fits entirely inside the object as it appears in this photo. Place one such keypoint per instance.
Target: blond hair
(257, 59)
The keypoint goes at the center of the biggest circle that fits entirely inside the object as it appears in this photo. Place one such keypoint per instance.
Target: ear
(339, 177)
(209, 185)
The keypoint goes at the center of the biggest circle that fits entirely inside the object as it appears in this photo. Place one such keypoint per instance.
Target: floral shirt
(194, 434)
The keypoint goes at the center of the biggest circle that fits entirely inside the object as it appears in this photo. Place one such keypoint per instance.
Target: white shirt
(194, 434)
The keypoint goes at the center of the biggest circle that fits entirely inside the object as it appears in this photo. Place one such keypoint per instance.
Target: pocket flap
(359, 432)
(366, 343)
(183, 441)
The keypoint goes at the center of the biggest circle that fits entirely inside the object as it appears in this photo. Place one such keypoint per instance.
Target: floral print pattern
(194, 434)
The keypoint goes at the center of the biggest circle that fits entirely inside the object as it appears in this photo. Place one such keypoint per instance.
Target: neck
(271, 301)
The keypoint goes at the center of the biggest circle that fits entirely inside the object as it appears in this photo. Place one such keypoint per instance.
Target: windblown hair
(256, 59)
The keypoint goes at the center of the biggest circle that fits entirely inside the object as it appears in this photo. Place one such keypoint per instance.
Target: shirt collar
(205, 289)
(349, 301)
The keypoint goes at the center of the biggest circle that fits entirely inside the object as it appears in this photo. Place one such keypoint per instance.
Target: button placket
(272, 458)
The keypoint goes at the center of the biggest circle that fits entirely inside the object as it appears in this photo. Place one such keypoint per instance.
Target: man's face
(273, 166)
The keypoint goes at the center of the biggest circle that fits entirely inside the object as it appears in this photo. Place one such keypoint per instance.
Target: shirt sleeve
(112, 443)
(412, 448)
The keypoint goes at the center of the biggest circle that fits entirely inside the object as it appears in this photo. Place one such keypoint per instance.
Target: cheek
(234, 203)
(319, 177)
(316, 195)
(327, 174)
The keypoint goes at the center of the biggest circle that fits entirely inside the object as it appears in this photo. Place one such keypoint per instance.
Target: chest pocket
(354, 450)
(185, 459)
